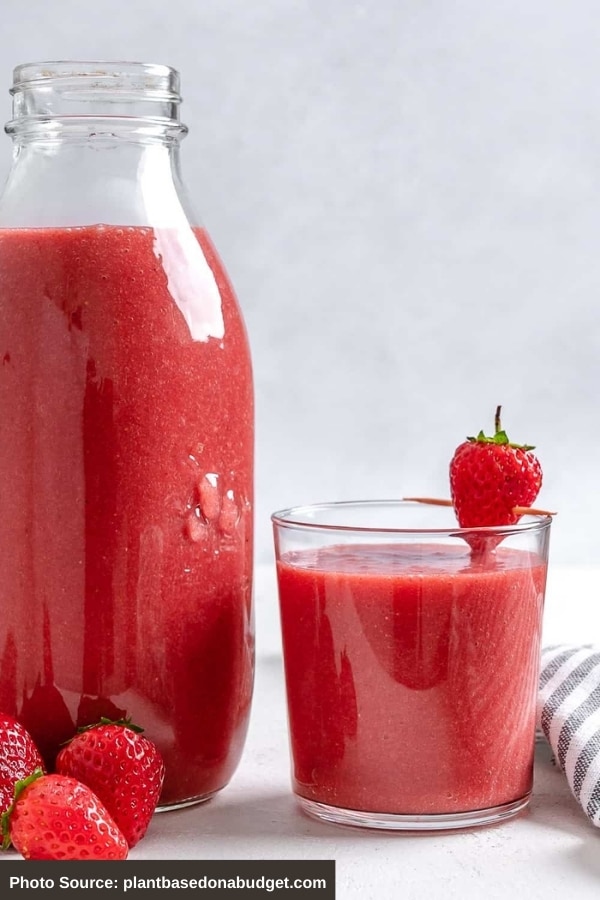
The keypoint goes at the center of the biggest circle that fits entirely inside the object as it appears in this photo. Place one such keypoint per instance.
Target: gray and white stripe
(568, 712)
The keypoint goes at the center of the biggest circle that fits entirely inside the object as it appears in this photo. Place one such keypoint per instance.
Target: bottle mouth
(69, 91)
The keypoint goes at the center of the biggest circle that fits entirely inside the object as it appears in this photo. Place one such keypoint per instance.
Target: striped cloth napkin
(568, 713)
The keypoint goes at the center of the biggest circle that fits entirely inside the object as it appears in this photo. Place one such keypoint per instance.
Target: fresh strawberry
(490, 477)
(54, 817)
(19, 757)
(122, 767)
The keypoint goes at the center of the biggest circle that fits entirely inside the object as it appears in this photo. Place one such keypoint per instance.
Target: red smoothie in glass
(411, 675)
(126, 446)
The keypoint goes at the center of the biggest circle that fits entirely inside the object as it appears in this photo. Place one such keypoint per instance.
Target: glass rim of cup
(297, 517)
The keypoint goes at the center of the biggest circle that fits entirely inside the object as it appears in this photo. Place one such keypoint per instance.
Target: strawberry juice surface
(126, 447)
(411, 675)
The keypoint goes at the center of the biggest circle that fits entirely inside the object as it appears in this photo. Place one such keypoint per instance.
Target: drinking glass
(411, 652)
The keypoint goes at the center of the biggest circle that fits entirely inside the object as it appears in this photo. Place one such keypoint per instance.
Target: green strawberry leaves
(500, 436)
(125, 723)
(5, 817)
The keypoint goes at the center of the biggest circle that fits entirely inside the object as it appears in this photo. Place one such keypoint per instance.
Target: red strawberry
(19, 756)
(122, 767)
(490, 476)
(53, 817)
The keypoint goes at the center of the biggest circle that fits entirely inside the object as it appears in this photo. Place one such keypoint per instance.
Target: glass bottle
(126, 431)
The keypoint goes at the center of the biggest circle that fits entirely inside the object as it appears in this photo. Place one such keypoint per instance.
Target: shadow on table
(586, 856)
(259, 817)
(262, 815)
(552, 803)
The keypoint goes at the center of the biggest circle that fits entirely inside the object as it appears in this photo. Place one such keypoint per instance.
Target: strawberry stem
(497, 423)
(500, 436)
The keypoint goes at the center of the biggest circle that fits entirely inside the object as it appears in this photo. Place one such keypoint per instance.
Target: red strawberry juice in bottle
(126, 456)
(411, 676)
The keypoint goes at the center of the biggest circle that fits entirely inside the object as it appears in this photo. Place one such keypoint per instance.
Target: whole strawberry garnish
(492, 479)
(122, 767)
(54, 817)
(19, 757)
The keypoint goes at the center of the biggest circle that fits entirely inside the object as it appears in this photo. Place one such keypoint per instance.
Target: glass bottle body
(126, 443)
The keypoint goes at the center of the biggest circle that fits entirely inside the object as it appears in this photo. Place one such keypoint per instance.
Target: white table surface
(549, 852)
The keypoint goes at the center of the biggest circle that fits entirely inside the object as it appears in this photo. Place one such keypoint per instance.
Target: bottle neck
(94, 143)
(103, 179)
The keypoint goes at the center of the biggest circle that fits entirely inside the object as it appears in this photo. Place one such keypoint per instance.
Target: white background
(406, 194)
